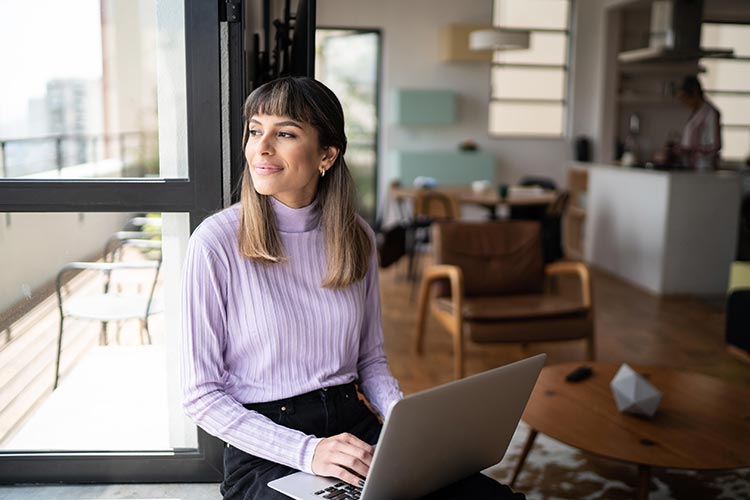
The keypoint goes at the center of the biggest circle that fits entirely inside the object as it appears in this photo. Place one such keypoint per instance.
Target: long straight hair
(347, 244)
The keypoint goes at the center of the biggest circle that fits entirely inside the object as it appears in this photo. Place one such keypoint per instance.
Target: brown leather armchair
(492, 286)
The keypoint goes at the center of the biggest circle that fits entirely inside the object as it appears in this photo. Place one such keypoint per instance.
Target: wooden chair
(493, 286)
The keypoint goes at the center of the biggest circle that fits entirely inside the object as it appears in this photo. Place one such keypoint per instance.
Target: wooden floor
(632, 326)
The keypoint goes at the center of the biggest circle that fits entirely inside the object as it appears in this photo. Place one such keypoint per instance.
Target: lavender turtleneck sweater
(260, 332)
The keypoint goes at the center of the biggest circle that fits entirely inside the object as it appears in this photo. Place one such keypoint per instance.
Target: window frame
(740, 93)
(565, 101)
(199, 195)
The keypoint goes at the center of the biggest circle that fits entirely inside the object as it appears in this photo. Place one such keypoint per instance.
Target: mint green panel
(424, 107)
(446, 167)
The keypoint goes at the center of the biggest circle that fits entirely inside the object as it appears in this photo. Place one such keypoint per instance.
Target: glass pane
(541, 14)
(528, 83)
(727, 36)
(546, 48)
(347, 61)
(735, 143)
(83, 102)
(118, 384)
(735, 109)
(537, 119)
(726, 75)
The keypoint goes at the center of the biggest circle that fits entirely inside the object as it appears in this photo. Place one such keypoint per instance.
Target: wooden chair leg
(422, 316)
(522, 459)
(416, 277)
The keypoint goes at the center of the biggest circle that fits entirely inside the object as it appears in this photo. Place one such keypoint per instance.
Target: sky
(43, 40)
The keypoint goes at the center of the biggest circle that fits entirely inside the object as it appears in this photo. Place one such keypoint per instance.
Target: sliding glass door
(110, 153)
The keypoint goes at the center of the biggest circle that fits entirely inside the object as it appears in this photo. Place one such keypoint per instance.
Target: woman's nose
(265, 145)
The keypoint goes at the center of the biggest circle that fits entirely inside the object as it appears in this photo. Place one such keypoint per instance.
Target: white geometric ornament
(633, 393)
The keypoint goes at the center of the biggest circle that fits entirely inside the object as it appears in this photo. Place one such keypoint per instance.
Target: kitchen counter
(671, 232)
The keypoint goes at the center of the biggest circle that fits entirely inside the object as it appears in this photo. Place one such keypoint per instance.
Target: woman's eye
(255, 133)
(287, 135)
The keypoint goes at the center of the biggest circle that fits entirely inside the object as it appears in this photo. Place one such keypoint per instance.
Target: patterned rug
(556, 471)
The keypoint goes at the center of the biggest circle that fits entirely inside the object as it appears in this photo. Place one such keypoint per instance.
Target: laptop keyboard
(340, 491)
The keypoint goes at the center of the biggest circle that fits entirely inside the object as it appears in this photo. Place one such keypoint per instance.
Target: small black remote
(580, 373)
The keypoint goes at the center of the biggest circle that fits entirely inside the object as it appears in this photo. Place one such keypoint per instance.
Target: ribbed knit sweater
(254, 332)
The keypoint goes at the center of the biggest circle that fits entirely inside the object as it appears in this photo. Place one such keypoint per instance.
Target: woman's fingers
(343, 456)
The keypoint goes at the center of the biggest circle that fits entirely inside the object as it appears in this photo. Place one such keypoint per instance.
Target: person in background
(281, 323)
(701, 137)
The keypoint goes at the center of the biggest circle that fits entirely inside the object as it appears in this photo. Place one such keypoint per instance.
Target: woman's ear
(330, 154)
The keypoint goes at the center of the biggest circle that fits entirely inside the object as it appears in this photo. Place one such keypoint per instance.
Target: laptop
(436, 437)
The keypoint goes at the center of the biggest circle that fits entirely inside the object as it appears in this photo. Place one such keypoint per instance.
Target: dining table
(489, 198)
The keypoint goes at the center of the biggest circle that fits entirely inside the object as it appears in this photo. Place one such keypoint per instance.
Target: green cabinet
(446, 167)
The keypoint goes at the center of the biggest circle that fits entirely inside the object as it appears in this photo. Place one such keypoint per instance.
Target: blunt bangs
(281, 98)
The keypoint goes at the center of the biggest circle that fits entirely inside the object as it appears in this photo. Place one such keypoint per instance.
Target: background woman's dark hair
(348, 245)
(692, 86)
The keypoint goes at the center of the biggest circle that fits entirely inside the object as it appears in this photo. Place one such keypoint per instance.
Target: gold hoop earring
(322, 171)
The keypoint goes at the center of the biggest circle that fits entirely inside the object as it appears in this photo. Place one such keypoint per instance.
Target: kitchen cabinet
(667, 232)
(446, 167)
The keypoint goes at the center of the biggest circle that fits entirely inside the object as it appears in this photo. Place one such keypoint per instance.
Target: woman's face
(285, 157)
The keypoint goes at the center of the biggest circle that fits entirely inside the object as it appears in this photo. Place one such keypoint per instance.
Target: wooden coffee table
(702, 422)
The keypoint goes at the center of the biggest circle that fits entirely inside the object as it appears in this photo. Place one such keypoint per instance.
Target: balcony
(107, 378)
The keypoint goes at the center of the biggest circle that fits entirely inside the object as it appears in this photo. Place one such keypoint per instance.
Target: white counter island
(668, 232)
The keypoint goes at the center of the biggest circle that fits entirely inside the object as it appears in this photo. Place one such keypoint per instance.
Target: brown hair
(347, 244)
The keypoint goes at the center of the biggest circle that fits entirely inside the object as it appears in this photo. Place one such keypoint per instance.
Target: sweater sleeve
(205, 400)
(375, 379)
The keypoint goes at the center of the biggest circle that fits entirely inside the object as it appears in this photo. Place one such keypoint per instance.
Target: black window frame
(199, 195)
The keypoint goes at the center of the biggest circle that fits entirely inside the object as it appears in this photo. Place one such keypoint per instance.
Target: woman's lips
(267, 169)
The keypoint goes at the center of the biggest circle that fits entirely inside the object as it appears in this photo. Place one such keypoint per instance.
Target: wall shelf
(423, 107)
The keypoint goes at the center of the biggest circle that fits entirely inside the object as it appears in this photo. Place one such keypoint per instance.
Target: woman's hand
(334, 455)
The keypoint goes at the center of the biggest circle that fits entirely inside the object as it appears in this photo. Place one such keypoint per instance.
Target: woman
(701, 136)
(281, 307)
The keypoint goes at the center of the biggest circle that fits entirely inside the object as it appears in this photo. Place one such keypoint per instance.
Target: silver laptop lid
(436, 437)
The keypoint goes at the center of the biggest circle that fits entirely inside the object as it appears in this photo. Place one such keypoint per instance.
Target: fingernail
(361, 483)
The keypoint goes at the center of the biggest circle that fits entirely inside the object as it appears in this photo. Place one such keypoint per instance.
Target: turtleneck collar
(296, 220)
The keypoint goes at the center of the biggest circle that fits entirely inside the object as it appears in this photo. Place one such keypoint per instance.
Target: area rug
(554, 471)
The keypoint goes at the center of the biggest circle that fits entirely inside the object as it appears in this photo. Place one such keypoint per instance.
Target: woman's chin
(264, 188)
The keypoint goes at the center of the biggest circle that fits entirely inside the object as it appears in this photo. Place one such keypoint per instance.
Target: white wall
(411, 58)
(33, 247)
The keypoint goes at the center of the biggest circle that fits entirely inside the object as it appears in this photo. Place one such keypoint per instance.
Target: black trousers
(324, 413)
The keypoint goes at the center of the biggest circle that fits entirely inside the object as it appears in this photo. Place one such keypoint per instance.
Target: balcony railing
(121, 154)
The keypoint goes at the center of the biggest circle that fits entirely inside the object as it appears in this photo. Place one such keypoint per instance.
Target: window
(91, 134)
(727, 85)
(529, 87)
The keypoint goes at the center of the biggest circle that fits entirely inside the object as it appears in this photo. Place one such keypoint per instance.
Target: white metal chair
(111, 304)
